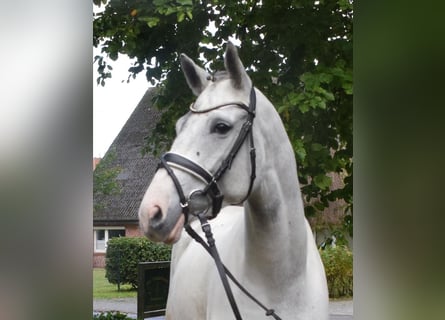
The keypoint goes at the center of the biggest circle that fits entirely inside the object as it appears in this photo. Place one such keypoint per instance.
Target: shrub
(124, 254)
(337, 262)
(111, 316)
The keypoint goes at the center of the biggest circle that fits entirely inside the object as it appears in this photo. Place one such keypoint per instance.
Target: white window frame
(95, 229)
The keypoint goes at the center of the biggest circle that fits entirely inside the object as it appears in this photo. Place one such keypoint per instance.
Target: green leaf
(319, 206)
(295, 98)
(181, 16)
(151, 21)
(284, 107)
(300, 150)
(326, 77)
(348, 88)
(171, 10)
(310, 211)
(324, 93)
(322, 181)
(304, 107)
(185, 2)
(344, 4)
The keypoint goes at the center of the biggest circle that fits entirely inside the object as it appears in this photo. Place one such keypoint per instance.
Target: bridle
(196, 201)
(199, 201)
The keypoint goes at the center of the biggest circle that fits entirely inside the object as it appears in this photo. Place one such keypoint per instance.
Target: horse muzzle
(158, 228)
(160, 218)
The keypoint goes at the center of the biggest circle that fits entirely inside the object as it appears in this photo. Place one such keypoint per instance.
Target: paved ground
(338, 310)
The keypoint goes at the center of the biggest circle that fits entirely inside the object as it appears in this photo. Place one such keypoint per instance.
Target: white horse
(267, 244)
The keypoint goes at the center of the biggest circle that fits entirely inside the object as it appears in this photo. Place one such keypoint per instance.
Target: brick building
(117, 214)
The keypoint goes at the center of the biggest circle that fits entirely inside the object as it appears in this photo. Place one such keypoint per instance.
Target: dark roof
(136, 170)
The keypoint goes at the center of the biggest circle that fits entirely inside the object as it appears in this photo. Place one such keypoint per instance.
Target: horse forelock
(220, 75)
(218, 92)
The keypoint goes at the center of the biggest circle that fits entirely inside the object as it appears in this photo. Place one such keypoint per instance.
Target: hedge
(337, 262)
(111, 316)
(123, 255)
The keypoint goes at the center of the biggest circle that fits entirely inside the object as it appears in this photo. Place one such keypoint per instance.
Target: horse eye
(221, 128)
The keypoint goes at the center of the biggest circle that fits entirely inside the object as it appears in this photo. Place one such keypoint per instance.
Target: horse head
(219, 121)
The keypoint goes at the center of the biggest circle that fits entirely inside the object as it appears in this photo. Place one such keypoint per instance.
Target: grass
(102, 289)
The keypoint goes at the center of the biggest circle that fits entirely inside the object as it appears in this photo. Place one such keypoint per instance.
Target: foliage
(337, 261)
(298, 53)
(104, 177)
(111, 316)
(124, 254)
(337, 236)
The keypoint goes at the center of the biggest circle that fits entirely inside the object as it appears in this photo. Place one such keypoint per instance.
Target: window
(116, 233)
(102, 235)
(100, 240)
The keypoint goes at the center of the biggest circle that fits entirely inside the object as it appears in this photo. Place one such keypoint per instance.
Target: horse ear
(197, 78)
(235, 68)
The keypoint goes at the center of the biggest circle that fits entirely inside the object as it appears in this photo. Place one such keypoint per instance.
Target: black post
(118, 270)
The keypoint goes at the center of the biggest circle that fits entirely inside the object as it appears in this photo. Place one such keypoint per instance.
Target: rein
(198, 203)
(210, 248)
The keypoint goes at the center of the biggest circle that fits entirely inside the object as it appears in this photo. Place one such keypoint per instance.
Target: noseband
(198, 201)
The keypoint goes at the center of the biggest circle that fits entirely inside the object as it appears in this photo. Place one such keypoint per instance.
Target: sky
(114, 103)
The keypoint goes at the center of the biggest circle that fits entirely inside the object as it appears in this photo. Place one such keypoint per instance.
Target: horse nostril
(157, 216)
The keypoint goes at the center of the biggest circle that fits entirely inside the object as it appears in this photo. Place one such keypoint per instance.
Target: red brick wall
(96, 162)
(98, 260)
(133, 231)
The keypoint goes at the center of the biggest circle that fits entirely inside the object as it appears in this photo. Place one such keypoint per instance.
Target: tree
(104, 178)
(298, 52)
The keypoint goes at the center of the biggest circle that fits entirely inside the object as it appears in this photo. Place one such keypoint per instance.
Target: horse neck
(274, 221)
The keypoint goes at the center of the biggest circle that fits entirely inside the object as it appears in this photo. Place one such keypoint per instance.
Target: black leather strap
(245, 130)
(197, 238)
(211, 187)
(188, 164)
(182, 199)
(219, 265)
